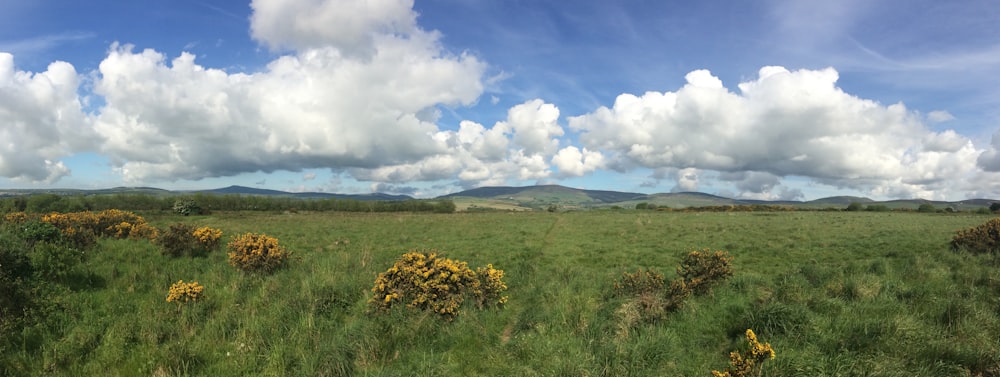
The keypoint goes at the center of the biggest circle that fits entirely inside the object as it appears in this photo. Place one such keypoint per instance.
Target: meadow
(834, 293)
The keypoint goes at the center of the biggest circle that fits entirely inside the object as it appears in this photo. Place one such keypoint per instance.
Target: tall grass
(876, 294)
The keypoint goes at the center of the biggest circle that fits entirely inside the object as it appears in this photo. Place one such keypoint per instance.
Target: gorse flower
(253, 252)
(208, 237)
(741, 365)
(440, 285)
(182, 292)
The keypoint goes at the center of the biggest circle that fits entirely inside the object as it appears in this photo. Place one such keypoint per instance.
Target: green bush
(178, 240)
(638, 283)
(982, 239)
(648, 297)
(53, 261)
(16, 273)
(187, 207)
(37, 231)
(703, 269)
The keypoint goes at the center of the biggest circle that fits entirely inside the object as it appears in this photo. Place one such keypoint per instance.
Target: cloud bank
(358, 87)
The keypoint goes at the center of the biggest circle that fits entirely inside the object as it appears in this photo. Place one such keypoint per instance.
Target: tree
(995, 207)
(854, 206)
(926, 207)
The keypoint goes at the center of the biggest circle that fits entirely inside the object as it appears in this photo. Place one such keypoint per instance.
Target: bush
(703, 269)
(37, 231)
(649, 298)
(208, 237)
(926, 208)
(187, 207)
(182, 292)
(747, 364)
(639, 283)
(53, 261)
(982, 239)
(252, 252)
(178, 240)
(439, 285)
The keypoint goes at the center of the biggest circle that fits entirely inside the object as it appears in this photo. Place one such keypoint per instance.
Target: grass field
(835, 293)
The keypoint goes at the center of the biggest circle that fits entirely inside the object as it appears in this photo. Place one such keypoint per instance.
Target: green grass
(836, 294)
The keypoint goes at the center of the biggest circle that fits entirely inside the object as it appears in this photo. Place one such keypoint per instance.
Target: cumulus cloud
(783, 123)
(535, 126)
(687, 180)
(989, 160)
(317, 108)
(573, 162)
(939, 116)
(352, 27)
(42, 121)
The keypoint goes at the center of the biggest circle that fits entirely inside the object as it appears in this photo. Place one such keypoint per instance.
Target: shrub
(38, 231)
(490, 290)
(178, 240)
(749, 363)
(639, 282)
(54, 261)
(182, 292)
(926, 208)
(984, 238)
(82, 228)
(187, 207)
(16, 273)
(252, 252)
(703, 269)
(649, 298)
(208, 237)
(439, 285)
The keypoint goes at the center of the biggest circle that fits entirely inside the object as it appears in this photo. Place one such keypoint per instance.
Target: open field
(835, 293)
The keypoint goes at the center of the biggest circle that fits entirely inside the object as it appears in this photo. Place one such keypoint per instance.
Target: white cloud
(989, 160)
(352, 27)
(687, 180)
(572, 162)
(42, 121)
(939, 116)
(317, 108)
(783, 123)
(535, 126)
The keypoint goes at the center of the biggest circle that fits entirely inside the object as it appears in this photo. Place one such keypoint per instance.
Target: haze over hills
(534, 197)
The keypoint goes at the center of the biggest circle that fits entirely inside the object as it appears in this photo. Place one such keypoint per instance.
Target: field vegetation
(865, 293)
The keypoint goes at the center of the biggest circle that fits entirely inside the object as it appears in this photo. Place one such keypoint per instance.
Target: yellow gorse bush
(984, 238)
(254, 252)
(109, 223)
(703, 269)
(208, 237)
(182, 292)
(749, 363)
(440, 285)
(15, 217)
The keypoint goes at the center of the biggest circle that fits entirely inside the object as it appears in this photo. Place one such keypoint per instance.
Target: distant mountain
(548, 194)
(243, 190)
(542, 196)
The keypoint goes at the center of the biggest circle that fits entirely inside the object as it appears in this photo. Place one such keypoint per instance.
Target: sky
(760, 99)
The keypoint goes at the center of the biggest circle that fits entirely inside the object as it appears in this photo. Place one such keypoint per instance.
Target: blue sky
(758, 99)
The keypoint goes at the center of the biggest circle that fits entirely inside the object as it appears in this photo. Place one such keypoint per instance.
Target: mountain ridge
(534, 197)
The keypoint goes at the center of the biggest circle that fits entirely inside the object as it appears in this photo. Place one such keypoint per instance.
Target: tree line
(44, 203)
